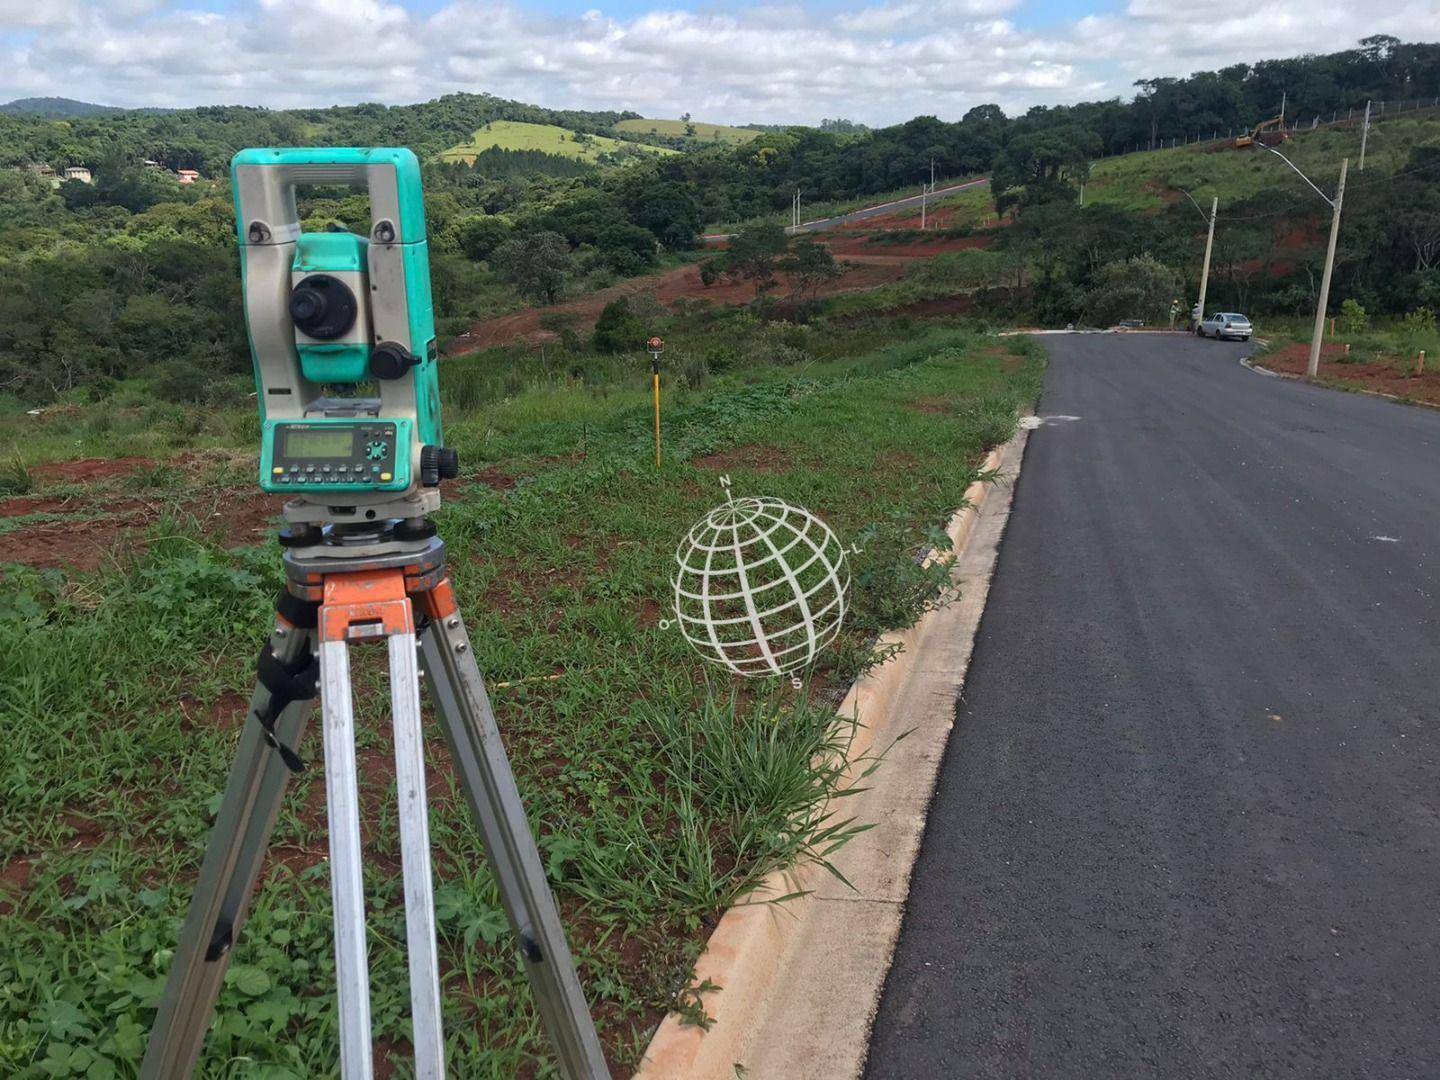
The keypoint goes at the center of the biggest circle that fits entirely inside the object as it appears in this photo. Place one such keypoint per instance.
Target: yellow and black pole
(656, 346)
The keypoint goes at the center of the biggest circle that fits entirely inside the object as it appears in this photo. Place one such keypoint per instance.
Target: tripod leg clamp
(287, 684)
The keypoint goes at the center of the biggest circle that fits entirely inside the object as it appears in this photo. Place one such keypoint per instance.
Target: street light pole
(1209, 243)
(1313, 367)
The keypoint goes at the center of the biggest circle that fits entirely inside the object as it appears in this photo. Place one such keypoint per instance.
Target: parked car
(1225, 324)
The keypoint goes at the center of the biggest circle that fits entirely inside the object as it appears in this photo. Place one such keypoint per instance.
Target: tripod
(384, 585)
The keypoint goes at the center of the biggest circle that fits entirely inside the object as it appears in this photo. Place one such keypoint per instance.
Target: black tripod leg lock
(288, 682)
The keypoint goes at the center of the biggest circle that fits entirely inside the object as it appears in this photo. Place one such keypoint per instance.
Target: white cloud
(877, 60)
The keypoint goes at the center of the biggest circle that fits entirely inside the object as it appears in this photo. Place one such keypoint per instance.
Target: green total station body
(342, 336)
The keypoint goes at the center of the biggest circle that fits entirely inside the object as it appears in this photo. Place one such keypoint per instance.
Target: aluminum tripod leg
(361, 605)
(484, 770)
(347, 887)
(232, 862)
(429, 1036)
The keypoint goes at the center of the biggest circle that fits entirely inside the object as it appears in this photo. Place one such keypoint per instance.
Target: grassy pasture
(660, 791)
(705, 133)
(548, 138)
(1147, 181)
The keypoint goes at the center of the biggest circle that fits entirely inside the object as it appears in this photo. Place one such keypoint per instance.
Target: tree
(754, 252)
(618, 329)
(481, 234)
(1043, 166)
(808, 266)
(1138, 288)
(538, 265)
(668, 208)
(625, 248)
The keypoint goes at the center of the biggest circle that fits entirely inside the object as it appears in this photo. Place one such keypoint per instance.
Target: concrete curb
(747, 954)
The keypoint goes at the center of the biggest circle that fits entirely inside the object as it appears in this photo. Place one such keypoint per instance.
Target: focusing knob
(438, 463)
(323, 307)
(391, 360)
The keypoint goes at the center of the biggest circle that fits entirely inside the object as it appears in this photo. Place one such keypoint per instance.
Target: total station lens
(323, 307)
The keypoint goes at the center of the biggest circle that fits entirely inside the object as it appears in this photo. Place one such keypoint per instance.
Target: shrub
(1353, 317)
(618, 329)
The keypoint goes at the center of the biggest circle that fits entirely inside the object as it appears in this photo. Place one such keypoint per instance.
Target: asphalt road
(1187, 821)
(879, 210)
(910, 202)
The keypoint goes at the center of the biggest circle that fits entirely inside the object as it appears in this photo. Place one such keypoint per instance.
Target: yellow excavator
(1269, 132)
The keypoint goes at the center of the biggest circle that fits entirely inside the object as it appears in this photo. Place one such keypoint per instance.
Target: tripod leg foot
(474, 739)
(228, 873)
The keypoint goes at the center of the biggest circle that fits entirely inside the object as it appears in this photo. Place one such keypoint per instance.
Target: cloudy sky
(877, 61)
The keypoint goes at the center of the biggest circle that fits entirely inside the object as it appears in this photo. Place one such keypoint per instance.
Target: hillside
(55, 108)
(1149, 182)
(545, 138)
(719, 134)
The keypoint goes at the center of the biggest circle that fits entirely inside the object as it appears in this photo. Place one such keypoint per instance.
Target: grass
(676, 129)
(549, 138)
(1147, 181)
(660, 791)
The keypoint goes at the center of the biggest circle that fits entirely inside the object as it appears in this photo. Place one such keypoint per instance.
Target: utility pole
(1313, 367)
(1364, 135)
(924, 197)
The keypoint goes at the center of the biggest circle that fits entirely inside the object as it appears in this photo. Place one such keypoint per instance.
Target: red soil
(867, 272)
(86, 542)
(1390, 376)
(61, 472)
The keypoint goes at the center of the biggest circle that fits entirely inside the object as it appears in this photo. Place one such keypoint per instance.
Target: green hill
(55, 108)
(547, 138)
(1149, 181)
(677, 129)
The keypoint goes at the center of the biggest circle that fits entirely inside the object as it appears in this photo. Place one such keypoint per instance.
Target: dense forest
(135, 272)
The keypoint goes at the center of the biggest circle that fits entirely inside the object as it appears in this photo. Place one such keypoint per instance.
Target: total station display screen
(318, 442)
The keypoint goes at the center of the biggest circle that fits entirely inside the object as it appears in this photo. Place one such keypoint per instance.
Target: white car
(1225, 324)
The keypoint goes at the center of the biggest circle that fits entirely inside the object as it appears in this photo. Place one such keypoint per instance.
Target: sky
(874, 61)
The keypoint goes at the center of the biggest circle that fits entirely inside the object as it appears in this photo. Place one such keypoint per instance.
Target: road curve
(1187, 822)
(878, 210)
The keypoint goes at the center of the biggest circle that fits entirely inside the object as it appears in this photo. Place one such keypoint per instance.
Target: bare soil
(683, 282)
(87, 469)
(752, 456)
(1389, 376)
(102, 526)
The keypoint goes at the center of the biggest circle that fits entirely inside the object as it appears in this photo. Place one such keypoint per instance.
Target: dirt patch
(10, 508)
(752, 456)
(496, 478)
(119, 525)
(80, 545)
(87, 469)
(1388, 376)
(862, 272)
(14, 880)
(225, 713)
(931, 406)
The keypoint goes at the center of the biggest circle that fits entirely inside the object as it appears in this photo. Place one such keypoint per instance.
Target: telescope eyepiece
(323, 307)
